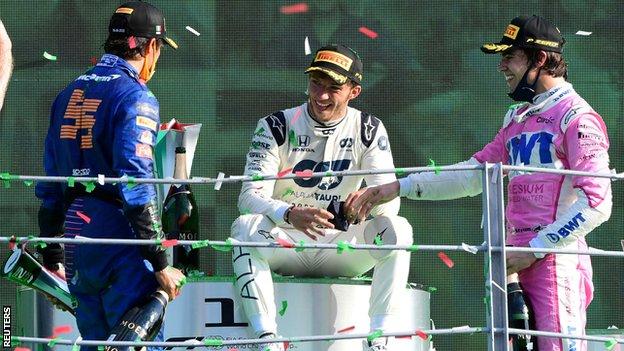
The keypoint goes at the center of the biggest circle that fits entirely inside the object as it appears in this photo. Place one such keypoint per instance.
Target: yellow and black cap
(528, 32)
(339, 62)
(139, 19)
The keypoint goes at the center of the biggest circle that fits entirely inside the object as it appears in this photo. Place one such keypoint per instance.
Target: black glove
(340, 220)
(145, 221)
(518, 314)
(51, 225)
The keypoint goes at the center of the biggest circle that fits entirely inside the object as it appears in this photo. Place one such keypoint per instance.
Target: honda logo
(303, 140)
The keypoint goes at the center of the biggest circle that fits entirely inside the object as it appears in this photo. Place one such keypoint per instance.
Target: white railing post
(495, 266)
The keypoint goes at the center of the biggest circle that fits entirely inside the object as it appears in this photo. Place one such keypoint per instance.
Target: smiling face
(328, 100)
(513, 65)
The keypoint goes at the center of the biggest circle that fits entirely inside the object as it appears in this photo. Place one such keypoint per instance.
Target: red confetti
(285, 243)
(170, 243)
(63, 329)
(94, 60)
(286, 344)
(347, 329)
(284, 172)
(403, 337)
(447, 261)
(304, 174)
(368, 32)
(233, 349)
(12, 243)
(22, 349)
(83, 216)
(294, 8)
(421, 334)
(297, 114)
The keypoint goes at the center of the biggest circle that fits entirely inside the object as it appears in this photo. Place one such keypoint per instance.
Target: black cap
(140, 19)
(339, 62)
(528, 32)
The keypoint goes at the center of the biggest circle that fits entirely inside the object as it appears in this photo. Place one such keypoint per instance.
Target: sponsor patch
(146, 137)
(146, 109)
(125, 10)
(146, 122)
(511, 31)
(335, 58)
(144, 151)
(382, 142)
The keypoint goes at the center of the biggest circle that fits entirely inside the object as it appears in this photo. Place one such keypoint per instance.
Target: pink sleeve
(586, 145)
(494, 151)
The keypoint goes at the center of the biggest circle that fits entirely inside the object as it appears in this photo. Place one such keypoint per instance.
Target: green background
(425, 77)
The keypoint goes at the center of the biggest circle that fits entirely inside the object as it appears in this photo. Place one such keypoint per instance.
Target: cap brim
(171, 43)
(338, 78)
(494, 48)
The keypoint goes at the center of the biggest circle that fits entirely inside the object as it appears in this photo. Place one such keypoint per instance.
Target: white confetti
(622, 242)
(190, 29)
(582, 32)
(306, 45)
(218, 184)
(469, 248)
(101, 179)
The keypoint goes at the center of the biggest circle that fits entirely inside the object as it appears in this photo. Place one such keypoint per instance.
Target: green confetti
(378, 240)
(41, 244)
(246, 211)
(259, 131)
(131, 182)
(6, 179)
(71, 181)
(223, 248)
(284, 307)
(374, 335)
(48, 56)
(156, 226)
(436, 169)
(413, 248)
(213, 342)
(299, 247)
(329, 174)
(256, 177)
(100, 347)
(288, 192)
(344, 246)
(28, 182)
(181, 282)
(200, 244)
(89, 186)
(610, 344)
(76, 347)
(399, 171)
(432, 289)
(15, 341)
(53, 342)
(194, 274)
(158, 241)
(292, 138)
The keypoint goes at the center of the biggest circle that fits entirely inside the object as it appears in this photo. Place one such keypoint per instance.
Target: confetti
(344, 246)
(374, 335)
(53, 342)
(89, 186)
(610, 344)
(200, 244)
(304, 174)
(378, 240)
(344, 330)
(62, 329)
(436, 169)
(223, 248)
(297, 114)
(181, 282)
(22, 349)
(432, 289)
(213, 342)
(170, 243)
(582, 32)
(71, 182)
(469, 248)
(256, 177)
(447, 261)
(6, 179)
(49, 56)
(285, 243)
(100, 179)
(131, 182)
(412, 248)
(294, 8)
(299, 246)
(368, 32)
(12, 243)
(218, 184)
(28, 182)
(284, 307)
(284, 172)
(41, 244)
(421, 334)
(83, 216)
(292, 139)
(288, 192)
(399, 171)
(622, 243)
(306, 46)
(192, 30)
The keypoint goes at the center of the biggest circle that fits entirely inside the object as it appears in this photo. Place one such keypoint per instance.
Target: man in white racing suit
(324, 134)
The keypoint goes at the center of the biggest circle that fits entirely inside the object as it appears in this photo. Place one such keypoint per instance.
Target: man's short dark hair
(555, 64)
(119, 46)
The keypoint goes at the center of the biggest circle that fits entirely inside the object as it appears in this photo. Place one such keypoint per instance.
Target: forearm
(146, 224)
(6, 62)
(251, 200)
(443, 186)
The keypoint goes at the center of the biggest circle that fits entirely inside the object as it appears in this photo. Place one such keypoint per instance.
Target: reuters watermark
(6, 327)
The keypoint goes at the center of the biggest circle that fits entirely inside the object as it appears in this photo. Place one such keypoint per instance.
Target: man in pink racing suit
(552, 127)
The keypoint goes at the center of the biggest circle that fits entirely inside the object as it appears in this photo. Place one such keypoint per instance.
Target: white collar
(543, 101)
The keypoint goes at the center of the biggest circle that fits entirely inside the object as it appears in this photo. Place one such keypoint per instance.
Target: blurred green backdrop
(425, 77)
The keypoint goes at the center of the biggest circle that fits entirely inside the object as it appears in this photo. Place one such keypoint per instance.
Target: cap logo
(125, 10)
(511, 31)
(158, 30)
(552, 44)
(334, 57)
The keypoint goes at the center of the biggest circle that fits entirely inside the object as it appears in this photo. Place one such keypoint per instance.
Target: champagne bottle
(140, 323)
(180, 217)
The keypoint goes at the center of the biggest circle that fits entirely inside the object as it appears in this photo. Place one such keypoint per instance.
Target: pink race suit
(559, 130)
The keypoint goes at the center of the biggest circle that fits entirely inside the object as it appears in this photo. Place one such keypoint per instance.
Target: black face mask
(524, 91)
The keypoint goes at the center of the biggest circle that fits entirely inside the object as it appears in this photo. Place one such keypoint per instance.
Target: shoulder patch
(369, 125)
(511, 112)
(573, 113)
(277, 124)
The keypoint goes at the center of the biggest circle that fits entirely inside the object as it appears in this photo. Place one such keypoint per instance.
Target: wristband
(287, 214)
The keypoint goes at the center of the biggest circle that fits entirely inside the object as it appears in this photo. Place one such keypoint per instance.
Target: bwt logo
(522, 149)
(567, 229)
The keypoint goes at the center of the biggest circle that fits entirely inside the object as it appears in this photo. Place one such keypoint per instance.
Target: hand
(170, 281)
(60, 274)
(517, 261)
(360, 203)
(307, 220)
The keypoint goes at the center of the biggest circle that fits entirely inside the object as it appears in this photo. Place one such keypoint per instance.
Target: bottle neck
(180, 166)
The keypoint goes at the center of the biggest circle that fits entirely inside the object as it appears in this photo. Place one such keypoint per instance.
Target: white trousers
(253, 266)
